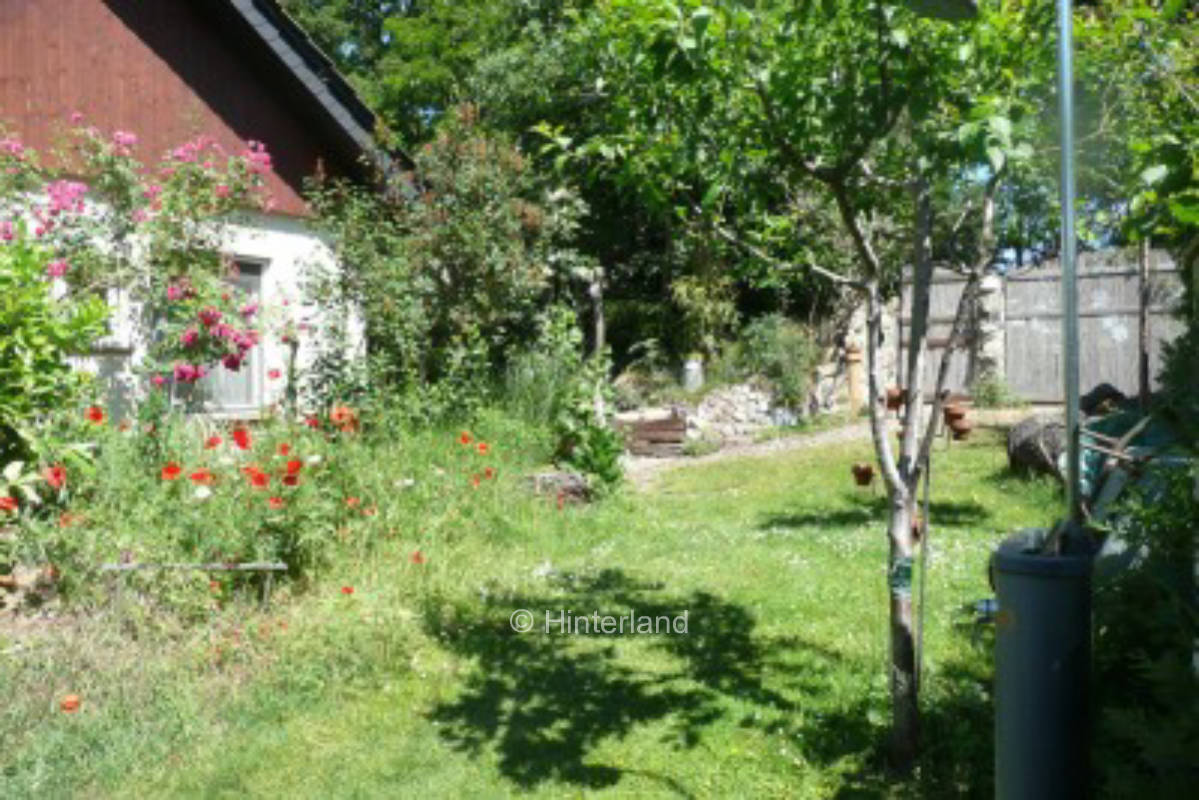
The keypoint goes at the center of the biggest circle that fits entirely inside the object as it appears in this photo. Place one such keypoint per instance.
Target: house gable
(169, 70)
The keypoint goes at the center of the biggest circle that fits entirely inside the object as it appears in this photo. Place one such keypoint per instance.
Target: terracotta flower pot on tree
(961, 429)
(863, 474)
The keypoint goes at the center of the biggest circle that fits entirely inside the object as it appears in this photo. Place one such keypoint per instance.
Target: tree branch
(758, 252)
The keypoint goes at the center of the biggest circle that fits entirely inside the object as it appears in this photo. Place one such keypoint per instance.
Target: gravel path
(641, 470)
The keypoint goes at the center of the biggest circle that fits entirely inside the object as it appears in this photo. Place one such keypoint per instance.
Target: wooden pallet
(658, 437)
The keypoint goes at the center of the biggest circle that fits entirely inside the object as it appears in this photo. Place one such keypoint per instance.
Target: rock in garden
(1036, 444)
(568, 486)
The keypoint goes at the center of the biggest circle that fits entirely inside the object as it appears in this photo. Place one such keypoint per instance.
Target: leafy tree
(824, 135)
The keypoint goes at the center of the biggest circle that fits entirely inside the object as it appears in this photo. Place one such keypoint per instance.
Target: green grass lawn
(415, 684)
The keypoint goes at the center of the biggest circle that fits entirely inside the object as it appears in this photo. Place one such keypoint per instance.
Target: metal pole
(1065, 73)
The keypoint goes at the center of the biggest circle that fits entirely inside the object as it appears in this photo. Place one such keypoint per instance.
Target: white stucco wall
(287, 250)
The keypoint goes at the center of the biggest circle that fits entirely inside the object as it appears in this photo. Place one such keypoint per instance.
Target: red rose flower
(241, 438)
(213, 442)
(56, 476)
(95, 414)
(171, 471)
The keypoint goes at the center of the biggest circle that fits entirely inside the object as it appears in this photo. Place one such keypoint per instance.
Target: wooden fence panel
(1109, 293)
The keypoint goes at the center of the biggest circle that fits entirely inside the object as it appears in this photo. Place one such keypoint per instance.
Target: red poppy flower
(202, 476)
(213, 442)
(241, 438)
(312, 422)
(464, 438)
(8, 503)
(260, 480)
(561, 500)
(95, 414)
(56, 476)
(483, 448)
(489, 473)
(294, 466)
(417, 557)
(370, 512)
(284, 449)
(124, 426)
(66, 519)
(70, 703)
(274, 374)
(275, 502)
(352, 502)
(171, 471)
(474, 481)
(291, 480)
(214, 586)
(347, 590)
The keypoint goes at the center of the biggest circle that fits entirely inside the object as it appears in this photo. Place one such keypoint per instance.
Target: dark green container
(1042, 671)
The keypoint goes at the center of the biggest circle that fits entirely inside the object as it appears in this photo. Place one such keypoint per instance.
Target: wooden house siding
(166, 70)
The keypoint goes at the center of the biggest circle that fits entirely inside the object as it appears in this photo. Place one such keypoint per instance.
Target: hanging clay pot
(961, 429)
(863, 474)
(953, 413)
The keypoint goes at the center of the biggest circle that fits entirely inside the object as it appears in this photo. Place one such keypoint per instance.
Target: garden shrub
(782, 352)
(539, 379)
(38, 333)
(991, 391)
(452, 265)
(1147, 627)
(586, 441)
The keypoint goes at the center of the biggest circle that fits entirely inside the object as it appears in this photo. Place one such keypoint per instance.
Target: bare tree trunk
(905, 708)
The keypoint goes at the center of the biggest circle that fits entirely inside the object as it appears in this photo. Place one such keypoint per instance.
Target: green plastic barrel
(1042, 671)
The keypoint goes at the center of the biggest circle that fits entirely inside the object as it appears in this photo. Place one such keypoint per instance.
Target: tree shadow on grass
(544, 702)
(864, 508)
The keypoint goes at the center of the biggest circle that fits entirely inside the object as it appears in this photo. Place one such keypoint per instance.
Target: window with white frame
(226, 392)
